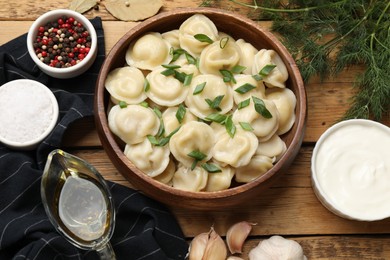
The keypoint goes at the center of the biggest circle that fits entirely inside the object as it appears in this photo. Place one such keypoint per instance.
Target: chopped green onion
(230, 127)
(168, 72)
(180, 76)
(197, 155)
(176, 54)
(227, 76)
(203, 38)
(215, 117)
(171, 51)
(193, 165)
(153, 140)
(246, 126)
(245, 88)
(146, 85)
(144, 104)
(238, 69)
(171, 66)
(188, 79)
(257, 77)
(163, 141)
(157, 112)
(180, 113)
(122, 104)
(211, 167)
(199, 88)
(161, 129)
(260, 107)
(243, 104)
(223, 42)
(215, 103)
(190, 58)
(266, 70)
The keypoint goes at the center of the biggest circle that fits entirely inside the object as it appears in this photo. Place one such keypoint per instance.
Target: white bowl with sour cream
(29, 112)
(350, 169)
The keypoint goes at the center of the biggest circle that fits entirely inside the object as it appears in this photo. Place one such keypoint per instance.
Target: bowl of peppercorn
(63, 43)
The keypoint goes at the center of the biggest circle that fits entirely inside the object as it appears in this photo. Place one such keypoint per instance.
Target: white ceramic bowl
(29, 112)
(351, 170)
(68, 72)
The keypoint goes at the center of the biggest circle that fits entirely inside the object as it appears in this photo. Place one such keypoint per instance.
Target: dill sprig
(327, 36)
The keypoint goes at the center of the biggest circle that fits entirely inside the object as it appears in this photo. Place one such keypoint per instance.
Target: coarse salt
(29, 111)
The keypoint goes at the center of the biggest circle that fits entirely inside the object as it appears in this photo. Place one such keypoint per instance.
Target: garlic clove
(216, 248)
(198, 246)
(236, 236)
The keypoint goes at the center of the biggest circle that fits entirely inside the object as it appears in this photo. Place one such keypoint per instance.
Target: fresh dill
(327, 36)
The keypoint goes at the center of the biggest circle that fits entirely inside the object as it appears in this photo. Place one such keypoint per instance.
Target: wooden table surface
(289, 208)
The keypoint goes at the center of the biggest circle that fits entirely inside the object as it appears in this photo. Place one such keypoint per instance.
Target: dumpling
(151, 159)
(149, 52)
(185, 66)
(263, 128)
(248, 52)
(192, 136)
(259, 165)
(196, 24)
(171, 122)
(126, 84)
(214, 88)
(167, 175)
(214, 58)
(133, 123)
(220, 180)
(190, 180)
(172, 37)
(218, 129)
(243, 79)
(223, 36)
(273, 148)
(285, 102)
(165, 90)
(236, 151)
(278, 76)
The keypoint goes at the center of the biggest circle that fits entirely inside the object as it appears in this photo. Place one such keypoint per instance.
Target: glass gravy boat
(78, 202)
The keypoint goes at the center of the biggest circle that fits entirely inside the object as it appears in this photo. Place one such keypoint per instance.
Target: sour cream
(351, 169)
(28, 113)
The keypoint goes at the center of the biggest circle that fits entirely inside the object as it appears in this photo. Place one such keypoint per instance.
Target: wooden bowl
(238, 27)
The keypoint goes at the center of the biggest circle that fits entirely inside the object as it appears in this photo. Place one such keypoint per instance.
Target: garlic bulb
(207, 246)
(236, 236)
(277, 248)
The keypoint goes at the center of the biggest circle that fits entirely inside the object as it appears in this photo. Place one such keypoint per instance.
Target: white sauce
(352, 169)
(27, 111)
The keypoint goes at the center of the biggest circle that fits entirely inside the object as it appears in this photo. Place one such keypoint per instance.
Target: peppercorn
(62, 43)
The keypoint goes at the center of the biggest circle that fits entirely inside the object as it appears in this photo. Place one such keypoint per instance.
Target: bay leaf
(133, 10)
(81, 6)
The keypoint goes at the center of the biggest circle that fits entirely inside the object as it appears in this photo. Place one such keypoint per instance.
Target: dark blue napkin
(144, 228)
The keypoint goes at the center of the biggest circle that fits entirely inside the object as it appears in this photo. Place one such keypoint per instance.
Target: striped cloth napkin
(144, 228)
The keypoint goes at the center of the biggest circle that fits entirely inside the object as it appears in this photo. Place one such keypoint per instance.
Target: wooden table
(289, 208)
